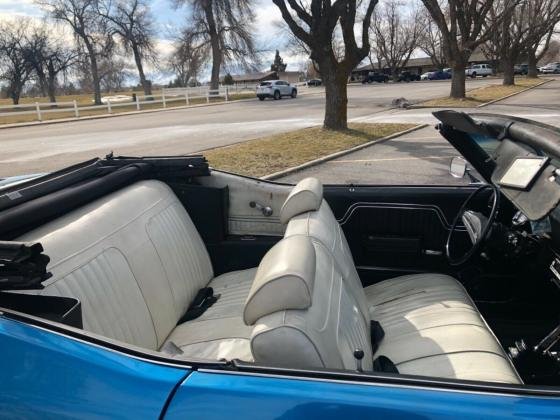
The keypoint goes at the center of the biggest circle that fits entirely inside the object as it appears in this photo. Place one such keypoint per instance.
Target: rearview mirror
(458, 167)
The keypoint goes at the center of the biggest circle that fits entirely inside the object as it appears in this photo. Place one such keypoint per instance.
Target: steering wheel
(476, 224)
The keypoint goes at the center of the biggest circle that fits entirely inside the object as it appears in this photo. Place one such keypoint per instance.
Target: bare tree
(395, 34)
(187, 59)
(547, 14)
(552, 52)
(49, 57)
(113, 72)
(320, 19)
(521, 29)
(14, 66)
(463, 28)
(89, 29)
(225, 26)
(132, 21)
(430, 40)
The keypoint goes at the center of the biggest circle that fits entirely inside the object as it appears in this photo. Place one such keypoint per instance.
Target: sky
(169, 20)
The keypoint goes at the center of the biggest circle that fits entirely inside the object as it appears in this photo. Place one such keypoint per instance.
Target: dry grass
(271, 154)
(85, 100)
(483, 95)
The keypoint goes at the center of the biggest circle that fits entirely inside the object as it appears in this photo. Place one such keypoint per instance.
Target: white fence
(176, 96)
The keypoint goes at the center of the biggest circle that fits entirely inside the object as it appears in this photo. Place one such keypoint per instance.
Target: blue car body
(53, 375)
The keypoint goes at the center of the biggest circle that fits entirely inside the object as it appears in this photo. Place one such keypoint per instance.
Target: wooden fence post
(187, 97)
(38, 109)
(76, 112)
(137, 103)
(163, 98)
(108, 106)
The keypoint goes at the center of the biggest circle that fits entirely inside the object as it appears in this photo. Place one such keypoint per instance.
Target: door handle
(265, 210)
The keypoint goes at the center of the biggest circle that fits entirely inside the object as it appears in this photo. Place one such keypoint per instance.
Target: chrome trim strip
(399, 206)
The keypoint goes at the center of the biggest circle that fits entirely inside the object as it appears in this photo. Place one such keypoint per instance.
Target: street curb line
(481, 105)
(513, 94)
(323, 159)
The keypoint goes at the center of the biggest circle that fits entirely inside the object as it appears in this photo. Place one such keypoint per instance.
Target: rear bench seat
(136, 261)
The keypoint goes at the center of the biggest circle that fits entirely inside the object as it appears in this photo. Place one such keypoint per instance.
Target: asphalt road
(46, 147)
(423, 157)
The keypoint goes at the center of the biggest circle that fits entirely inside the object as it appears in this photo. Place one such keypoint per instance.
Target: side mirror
(458, 167)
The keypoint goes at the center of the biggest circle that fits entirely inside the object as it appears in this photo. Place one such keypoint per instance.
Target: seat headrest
(284, 279)
(306, 196)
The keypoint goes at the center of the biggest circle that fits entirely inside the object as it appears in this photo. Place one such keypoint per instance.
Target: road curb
(513, 94)
(323, 159)
(481, 105)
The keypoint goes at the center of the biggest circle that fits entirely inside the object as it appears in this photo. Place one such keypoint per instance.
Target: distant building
(252, 79)
(414, 65)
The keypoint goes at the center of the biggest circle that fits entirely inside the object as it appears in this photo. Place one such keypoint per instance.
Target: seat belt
(384, 364)
(381, 363)
(377, 333)
(202, 301)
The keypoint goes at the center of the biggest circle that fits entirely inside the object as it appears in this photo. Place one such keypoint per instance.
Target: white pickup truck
(479, 70)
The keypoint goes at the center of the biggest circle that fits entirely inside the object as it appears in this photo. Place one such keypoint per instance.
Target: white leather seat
(136, 261)
(432, 326)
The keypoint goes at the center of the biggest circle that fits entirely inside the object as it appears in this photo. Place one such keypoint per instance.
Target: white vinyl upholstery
(323, 335)
(284, 279)
(305, 196)
(432, 326)
(135, 260)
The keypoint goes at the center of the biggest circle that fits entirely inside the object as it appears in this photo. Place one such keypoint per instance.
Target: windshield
(266, 84)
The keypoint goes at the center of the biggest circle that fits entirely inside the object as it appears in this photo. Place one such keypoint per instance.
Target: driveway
(47, 147)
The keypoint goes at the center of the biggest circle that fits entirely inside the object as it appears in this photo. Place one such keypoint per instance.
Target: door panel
(396, 230)
(242, 218)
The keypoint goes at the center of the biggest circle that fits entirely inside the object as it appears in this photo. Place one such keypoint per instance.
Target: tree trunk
(215, 45)
(94, 72)
(51, 88)
(336, 97)
(51, 83)
(458, 79)
(508, 69)
(532, 63)
(216, 63)
(146, 85)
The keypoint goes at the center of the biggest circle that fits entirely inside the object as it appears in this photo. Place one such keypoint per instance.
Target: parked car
(314, 82)
(407, 76)
(439, 75)
(425, 76)
(448, 70)
(552, 68)
(522, 69)
(130, 289)
(275, 89)
(479, 70)
(376, 77)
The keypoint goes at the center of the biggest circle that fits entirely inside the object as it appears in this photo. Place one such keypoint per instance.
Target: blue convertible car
(160, 288)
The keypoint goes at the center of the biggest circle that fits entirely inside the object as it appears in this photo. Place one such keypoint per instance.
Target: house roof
(477, 55)
(250, 77)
